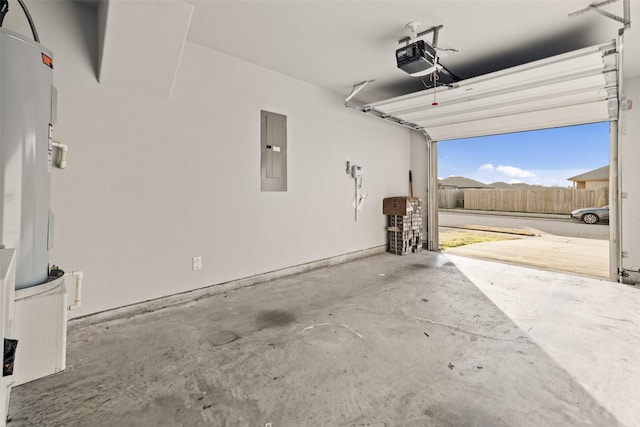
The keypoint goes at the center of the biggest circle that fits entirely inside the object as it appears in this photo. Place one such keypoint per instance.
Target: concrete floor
(383, 341)
(589, 326)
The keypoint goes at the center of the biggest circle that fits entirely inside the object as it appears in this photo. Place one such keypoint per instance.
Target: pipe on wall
(63, 153)
(78, 276)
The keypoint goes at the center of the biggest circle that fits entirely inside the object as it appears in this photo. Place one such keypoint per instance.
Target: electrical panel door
(273, 149)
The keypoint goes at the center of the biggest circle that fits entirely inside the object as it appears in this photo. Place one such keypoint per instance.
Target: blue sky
(545, 157)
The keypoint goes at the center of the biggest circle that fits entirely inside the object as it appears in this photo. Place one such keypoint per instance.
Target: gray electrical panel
(26, 77)
(273, 151)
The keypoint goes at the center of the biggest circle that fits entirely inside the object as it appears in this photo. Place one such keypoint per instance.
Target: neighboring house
(523, 186)
(460, 182)
(455, 199)
(499, 185)
(596, 178)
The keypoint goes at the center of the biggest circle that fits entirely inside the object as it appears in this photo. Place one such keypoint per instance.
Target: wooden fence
(548, 200)
(451, 199)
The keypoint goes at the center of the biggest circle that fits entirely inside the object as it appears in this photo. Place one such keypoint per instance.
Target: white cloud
(486, 167)
(515, 172)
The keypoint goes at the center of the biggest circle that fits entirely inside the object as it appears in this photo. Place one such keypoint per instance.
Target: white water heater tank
(27, 110)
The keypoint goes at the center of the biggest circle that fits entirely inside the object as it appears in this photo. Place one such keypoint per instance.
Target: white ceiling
(336, 44)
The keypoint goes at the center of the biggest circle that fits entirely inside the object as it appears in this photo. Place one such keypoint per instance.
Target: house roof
(501, 185)
(524, 186)
(461, 182)
(600, 174)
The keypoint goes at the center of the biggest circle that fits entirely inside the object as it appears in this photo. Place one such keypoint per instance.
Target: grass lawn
(453, 238)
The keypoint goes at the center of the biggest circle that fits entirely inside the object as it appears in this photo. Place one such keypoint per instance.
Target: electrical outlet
(197, 263)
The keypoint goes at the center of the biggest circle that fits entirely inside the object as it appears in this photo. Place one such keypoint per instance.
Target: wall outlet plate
(196, 263)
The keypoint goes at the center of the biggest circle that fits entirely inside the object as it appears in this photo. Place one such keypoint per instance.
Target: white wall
(152, 182)
(630, 182)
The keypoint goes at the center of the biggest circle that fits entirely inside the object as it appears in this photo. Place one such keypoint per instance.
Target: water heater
(37, 315)
(27, 110)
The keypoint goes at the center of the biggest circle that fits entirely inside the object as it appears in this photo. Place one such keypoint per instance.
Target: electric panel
(273, 149)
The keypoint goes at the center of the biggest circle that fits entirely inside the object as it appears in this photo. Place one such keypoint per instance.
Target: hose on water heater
(4, 8)
(31, 24)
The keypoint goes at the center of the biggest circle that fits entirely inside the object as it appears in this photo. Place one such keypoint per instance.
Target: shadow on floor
(382, 341)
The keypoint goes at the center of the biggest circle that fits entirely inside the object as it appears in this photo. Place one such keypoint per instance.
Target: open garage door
(578, 87)
(574, 88)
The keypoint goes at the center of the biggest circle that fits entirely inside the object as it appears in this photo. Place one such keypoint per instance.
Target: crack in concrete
(459, 329)
(333, 324)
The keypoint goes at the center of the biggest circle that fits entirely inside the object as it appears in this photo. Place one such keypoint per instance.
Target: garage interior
(216, 291)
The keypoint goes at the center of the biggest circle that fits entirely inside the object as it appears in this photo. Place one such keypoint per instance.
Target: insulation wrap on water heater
(26, 116)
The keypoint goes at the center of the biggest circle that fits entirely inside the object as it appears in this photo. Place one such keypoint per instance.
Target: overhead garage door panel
(531, 120)
(574, 88)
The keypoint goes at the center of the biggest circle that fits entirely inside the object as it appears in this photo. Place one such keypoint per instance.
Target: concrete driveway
(571, 254)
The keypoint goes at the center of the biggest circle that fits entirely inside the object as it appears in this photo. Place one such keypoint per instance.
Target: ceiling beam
(141, 44)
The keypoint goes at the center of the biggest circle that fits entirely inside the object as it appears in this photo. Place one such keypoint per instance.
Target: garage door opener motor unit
(417, 59)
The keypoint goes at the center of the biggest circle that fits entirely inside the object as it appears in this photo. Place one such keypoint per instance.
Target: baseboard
(184, 297)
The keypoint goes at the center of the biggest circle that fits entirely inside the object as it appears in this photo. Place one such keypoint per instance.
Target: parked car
(591, 215)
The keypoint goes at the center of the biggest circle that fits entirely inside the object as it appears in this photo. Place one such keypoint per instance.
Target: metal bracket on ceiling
(372, 112)
(595, 7)
(435, 30)
(357, 88)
